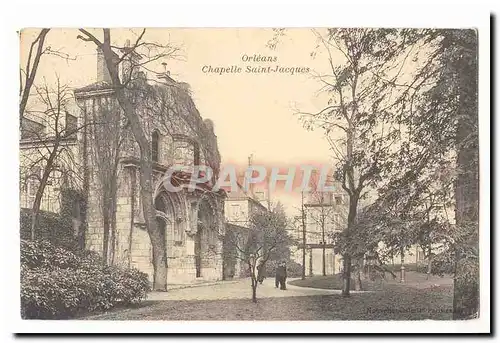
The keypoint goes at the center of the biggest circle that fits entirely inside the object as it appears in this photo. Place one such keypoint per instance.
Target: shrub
(409, 267)
(58, 284)
(443, 263)
(43, 254)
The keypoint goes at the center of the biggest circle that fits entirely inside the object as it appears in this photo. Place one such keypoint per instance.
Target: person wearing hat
(261, 271)
(281, 275)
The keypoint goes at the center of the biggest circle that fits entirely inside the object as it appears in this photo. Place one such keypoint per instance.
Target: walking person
(281, 276)
(277, 275)
(261, 271)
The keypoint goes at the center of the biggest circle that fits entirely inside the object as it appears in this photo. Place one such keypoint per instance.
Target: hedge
(57, 284)
(51, 226)
(442, 263)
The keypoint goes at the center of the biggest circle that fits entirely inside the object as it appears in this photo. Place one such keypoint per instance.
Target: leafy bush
(58, 284)
(409, 267)
(443, 263)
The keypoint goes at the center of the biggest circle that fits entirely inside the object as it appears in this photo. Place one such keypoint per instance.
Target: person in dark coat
(261, 272)
(281, 276)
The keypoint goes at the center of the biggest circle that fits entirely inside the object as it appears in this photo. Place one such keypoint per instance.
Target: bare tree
(50, 133)
(27, 75)
(124, 56)
(28, 72)
(105, 153)
(266, 236)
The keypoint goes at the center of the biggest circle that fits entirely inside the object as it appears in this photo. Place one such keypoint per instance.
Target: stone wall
(131, 245)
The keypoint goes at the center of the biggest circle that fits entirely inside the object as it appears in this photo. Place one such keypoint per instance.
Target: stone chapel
(192, 222)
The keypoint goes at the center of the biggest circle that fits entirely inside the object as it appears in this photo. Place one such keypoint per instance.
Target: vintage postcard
(249, 174)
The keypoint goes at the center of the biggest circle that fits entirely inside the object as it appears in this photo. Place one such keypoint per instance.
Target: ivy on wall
(58, 228)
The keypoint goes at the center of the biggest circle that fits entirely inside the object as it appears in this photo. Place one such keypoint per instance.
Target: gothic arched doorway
(206, 247)
(164, 213)
(197, 250)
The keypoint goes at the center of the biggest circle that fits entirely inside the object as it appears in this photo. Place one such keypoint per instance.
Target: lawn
(392, 303)
(413, 280)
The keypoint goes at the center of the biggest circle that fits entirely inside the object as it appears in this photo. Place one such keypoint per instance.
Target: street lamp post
(402, 266)
(303, 239)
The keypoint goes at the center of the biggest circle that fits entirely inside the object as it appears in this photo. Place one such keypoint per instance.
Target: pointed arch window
(155, 146)
(32, 185)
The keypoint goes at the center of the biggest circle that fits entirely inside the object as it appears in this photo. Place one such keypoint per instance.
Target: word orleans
(252, 69)
(178, 178)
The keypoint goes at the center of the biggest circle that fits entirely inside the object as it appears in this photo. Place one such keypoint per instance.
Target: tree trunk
(146, 169)
(159, 266)
(466, 280)
(106, 156)
(254, 290)
(146, 191)
(351, 222)
(41, 189)
(86, 183)
(367, 267)
(35, 211)
(105, 239)
(303, 239)
(113, 217)
(346, 275)
(31, 73)
(254, 282)
(357, 276)
(402, 274)
(324, 260)
(429, 262)
(311, 262)
(324, 248)
(157, 239)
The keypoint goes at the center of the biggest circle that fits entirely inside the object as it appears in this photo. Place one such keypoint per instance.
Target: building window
(235, 211)
(194, 216)
(178, 232)
(196, 154)
(335, 221)
(185, 154)
(260, 195)
(32, 185)
(71, 125)
(31, 129)
(155, 138)
(48, 202)
(338, 199)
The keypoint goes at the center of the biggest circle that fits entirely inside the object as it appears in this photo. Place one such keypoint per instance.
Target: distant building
(239, 207)
(325, 214)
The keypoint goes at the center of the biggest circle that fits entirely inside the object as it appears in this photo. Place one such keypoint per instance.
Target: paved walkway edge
(192, 285)
(335, 291)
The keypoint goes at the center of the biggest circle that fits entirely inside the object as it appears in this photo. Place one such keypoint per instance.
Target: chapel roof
(99, 85)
